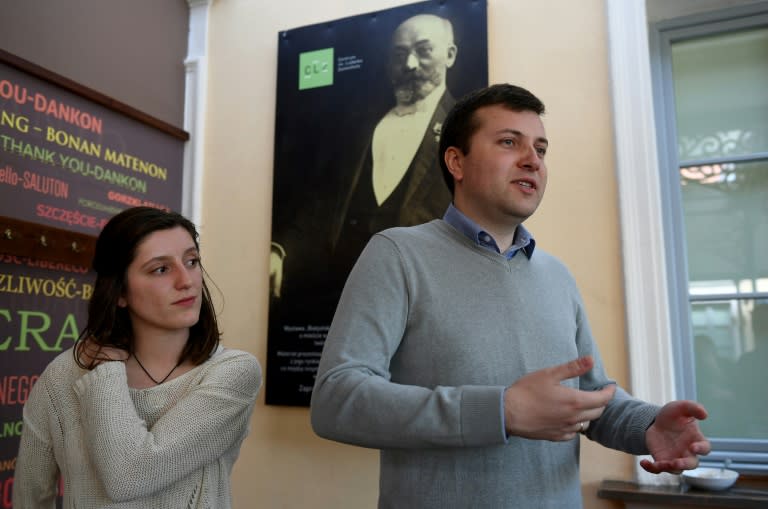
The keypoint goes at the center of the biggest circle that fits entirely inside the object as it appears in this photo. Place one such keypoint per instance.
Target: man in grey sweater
(466, 357)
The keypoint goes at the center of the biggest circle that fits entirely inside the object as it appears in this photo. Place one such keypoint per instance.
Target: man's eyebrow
(420, 42)
(515, 132)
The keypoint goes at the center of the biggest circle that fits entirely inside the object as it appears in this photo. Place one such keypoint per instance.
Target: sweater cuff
(482, 417)
(111, 370)
(639, 426)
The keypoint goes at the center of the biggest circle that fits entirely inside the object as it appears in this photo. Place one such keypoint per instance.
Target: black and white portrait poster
(360, 106)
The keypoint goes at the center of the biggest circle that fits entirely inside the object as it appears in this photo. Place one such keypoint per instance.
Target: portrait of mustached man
(396, 180)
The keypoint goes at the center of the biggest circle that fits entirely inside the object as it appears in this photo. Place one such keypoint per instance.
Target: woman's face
(163, 283)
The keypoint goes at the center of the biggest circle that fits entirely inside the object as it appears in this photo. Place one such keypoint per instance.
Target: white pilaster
(645, 280)
(195, 108)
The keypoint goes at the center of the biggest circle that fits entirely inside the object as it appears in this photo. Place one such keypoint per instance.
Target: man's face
(502, 178)
(422, 50)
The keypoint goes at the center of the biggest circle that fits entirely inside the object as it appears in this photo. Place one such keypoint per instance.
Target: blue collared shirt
(523, 239)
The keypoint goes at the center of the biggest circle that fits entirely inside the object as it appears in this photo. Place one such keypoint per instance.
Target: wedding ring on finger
(583, 427)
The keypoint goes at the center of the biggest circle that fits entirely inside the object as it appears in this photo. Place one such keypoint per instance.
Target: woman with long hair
(147, 409)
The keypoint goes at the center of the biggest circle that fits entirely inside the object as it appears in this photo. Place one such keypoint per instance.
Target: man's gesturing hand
(674, 439)
(538, 406)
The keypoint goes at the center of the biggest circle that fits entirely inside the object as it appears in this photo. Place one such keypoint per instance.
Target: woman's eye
(541, 151)
(193, 262)
(160, 270)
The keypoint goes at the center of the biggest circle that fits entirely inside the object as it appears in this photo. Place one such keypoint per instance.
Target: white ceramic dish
(716, 479)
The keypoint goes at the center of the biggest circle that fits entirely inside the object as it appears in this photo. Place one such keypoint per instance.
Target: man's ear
(451, 56)
(454, 160)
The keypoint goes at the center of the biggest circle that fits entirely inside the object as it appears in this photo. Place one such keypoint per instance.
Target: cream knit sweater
(169, 446)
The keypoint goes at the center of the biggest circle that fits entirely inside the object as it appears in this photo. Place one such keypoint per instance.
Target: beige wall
(95, 43)
(557, 48)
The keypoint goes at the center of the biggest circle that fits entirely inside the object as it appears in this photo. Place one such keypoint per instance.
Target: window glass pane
(725, 211)
(731, 354)
(720, 94)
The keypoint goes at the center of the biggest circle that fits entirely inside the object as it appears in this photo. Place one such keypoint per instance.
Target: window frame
(655, 275)
(744, 453)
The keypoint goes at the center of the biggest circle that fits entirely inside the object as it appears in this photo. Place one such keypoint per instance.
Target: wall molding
(642, 236)
(195, 103)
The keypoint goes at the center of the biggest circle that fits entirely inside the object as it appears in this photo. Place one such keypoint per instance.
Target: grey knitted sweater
(429, 331)
(169, 446)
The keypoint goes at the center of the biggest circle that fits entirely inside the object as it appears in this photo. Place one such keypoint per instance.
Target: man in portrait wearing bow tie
(398, 183)
(397, 180)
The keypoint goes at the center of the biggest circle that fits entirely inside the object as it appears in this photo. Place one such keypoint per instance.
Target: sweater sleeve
(133, 460)
(355, 400)
(623, 424)
(36, 473)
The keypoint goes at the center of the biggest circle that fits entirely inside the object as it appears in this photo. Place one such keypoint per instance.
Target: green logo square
(316, 68)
